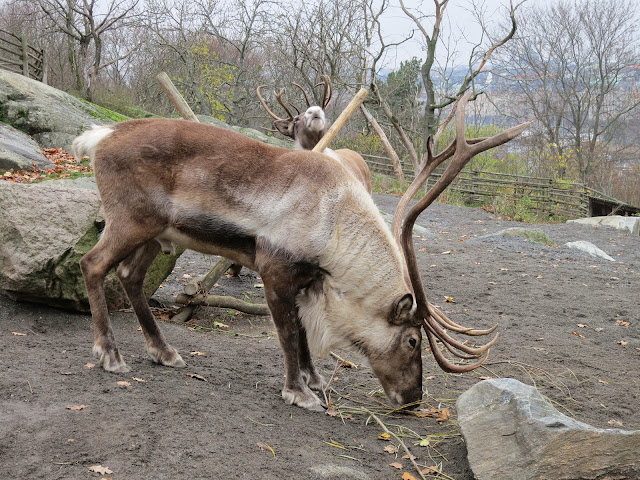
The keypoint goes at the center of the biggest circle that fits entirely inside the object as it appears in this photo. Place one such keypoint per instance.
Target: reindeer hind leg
(131, 273)
(95, 265)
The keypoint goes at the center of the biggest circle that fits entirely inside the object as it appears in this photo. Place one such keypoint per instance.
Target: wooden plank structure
(16, 55)
(547, 195)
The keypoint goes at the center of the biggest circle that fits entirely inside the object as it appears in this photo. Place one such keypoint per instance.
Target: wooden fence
(16, 55)
(545, 195)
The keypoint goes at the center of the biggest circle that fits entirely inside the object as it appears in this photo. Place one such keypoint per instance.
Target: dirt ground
(569, 324)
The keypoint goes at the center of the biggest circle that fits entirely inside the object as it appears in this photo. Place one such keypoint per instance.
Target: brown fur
(221, 193)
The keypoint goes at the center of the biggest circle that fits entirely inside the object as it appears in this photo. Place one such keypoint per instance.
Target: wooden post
(45, 67)
(174, 95)
(25, 57)
(346, 114)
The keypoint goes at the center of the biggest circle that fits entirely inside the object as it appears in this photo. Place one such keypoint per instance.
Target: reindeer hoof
(305, 399)
(314, 380)
(168, 357)
(111, 361)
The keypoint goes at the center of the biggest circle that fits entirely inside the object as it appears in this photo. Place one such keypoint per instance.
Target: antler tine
(328, 90)
(264, 104)
(281, 102)
(306, 99)
(460, 151)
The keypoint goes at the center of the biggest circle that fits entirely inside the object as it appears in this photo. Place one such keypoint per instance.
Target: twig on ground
(409, 454)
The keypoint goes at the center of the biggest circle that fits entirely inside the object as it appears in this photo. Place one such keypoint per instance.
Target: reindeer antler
(328, 91)
(435, 322)
(279, 98)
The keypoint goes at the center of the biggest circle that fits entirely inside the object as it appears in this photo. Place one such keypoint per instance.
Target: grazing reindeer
(307, 128)
(342, 280)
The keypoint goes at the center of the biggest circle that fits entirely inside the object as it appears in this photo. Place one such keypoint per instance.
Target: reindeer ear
(285, 127)
(402, 309)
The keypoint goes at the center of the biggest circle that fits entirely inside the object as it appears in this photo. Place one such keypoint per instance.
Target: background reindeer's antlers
(435, 323)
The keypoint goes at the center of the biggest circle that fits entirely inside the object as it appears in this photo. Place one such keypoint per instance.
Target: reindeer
(307, 128)
(343, 280)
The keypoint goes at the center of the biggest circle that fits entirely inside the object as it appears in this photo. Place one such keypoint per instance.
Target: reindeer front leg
(280, 292)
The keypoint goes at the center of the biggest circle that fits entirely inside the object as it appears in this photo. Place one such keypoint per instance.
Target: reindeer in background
(307, 128)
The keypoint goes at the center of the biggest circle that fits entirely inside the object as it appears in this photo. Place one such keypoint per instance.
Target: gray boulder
(249, 132)
(535, 235)
(512, 432)
(632, 224)
(19, 151)
(45, 229)
(588, 248)
(52, 117)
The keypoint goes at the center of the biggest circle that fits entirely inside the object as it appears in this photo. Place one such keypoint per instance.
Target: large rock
(249, 132)
(52, 117)
(512, 432)
(632, 224)
(589, 248)
(19, 151)
(45, 229)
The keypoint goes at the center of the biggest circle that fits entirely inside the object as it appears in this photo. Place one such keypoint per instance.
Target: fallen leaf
(422, 250)
(582, 325)
(391, 449)
(622, 342)
(100, 469)
(448, 252)
(196, 376)
(384, 436)
(259, 285)
(89, 365)
(615, 423)
(332, 412)
(396, 465)
(265, 446)
(486, 378)
(444, 415)
(622, 323)
(539, 276)
(504, 269)
(18, 334)
(599, 329)
(220, 325)
(424, 442)
(430, 471)
(449, 300)
(577, 334)
(408, 476)
(77, 407)
(604, 381)
(139, 380)
(409, 457)
(430, 377)
(124, 383)
(196, 353)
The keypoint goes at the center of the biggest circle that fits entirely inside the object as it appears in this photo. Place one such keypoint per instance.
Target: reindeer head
(308, 127)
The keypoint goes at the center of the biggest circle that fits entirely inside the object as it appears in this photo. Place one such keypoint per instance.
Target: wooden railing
(546, 195)
(16, 55)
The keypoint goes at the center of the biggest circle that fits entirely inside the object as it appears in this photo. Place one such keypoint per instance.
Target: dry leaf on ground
(396, 465)
(77, 407)
(266, 447)
(391, 449)
(100, 469)
(123, 384)
(408, 476)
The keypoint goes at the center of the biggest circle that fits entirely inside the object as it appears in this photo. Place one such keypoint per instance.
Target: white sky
(459, 25)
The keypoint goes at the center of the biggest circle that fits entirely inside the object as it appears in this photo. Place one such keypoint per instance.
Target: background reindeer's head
(308, 127)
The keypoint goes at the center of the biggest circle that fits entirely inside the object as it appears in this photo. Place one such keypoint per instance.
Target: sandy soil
(569, 323)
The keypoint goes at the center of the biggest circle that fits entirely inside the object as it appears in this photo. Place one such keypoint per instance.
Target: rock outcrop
(52, 117)
(589, 248)
(512, 432)
(18, 151)
(632, 224)
(45, 229)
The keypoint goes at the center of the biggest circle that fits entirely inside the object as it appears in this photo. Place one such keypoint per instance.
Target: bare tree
(85, 23)
(570, 68)
(436, 100)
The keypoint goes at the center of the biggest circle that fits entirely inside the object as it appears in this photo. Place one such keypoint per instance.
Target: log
(346, 114)
(174, 95)
(224, 302)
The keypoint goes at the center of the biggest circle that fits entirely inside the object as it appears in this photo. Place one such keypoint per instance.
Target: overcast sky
(459, 24)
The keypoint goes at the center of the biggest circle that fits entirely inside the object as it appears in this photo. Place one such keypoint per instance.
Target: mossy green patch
(534, 235)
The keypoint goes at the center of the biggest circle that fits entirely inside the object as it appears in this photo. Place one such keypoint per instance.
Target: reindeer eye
(412, 342)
